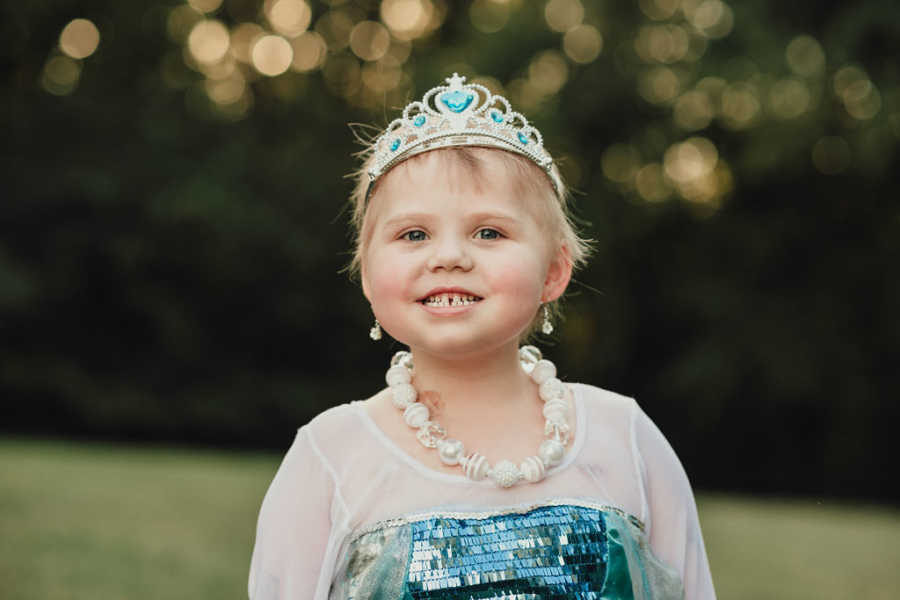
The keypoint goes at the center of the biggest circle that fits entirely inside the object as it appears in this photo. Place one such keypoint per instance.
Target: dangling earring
(375, 332)
(547, 327)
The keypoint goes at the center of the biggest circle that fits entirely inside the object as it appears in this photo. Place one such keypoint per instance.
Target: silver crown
(459, 114)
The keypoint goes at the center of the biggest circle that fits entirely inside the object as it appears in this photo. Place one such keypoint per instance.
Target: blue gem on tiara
(457, 100)
(459, 114)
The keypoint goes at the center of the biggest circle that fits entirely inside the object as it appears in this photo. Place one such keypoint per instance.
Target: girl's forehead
(471, 172)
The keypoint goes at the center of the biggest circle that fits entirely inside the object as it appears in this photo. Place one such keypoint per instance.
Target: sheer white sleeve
(294, 541)
(671, 513)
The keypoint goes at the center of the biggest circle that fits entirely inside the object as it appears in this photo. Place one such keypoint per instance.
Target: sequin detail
(551, 552)
(558, 549)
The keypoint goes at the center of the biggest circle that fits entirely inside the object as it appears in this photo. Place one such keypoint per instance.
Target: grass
(96, 521)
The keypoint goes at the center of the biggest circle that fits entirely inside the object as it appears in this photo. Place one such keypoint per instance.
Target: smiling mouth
(450, 299)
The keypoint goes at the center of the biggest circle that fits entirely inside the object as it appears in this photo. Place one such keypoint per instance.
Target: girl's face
(457, 266)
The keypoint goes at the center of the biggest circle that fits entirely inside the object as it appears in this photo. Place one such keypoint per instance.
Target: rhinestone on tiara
(459, 114)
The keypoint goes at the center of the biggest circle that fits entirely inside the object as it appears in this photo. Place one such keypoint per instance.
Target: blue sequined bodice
(547, 552)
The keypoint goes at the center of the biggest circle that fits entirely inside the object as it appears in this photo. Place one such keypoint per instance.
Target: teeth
(450, 300)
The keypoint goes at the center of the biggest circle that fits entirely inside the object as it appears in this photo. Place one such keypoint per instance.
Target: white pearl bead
(403, 394)
(543, 371)
(551, 388)
(505, 474)
(397, 374)
(476, 467)
(416, 414)
(551, 452)
(532, 469)
(556, 410)
(450, 451)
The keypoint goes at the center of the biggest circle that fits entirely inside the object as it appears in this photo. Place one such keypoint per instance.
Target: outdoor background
(174, 229)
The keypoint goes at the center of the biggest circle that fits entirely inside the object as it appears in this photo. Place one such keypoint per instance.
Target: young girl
(476, 473)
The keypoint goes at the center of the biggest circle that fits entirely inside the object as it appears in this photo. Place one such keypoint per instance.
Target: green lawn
(93, 521)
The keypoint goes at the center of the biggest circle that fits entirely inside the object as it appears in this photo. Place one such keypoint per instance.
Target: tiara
(459, 114)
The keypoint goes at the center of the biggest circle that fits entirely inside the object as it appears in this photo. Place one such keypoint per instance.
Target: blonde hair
(528, 177)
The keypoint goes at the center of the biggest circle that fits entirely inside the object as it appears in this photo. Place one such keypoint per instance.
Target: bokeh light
(489, 16)
(205, 6)
(208, 41)
(651, 183)
(380, 79)
(693, 110)
(407, 19)
(620, 162)
(712, 18)
(662, 43)
(740, 106)
(370, 40)
(831, 155)
(243, 37)
(310, 51)
(563, 15)
(79, 39)
(658, 85)
(789, 98)
(582, 44)
(805, 56)
(335, 28)
(288, 17)
(548, 72)
(659, 10)
(690, 159)
(227, 90)
(60, 75)
(181, 21)
(272, 55)
(859, 95)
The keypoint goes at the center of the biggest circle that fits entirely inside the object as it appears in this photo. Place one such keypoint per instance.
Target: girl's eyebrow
(479, 216)
(406, 217)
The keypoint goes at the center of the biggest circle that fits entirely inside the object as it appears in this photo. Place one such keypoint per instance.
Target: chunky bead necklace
(476, 467)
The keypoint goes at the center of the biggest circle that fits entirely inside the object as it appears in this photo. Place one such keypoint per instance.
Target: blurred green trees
(174, 226)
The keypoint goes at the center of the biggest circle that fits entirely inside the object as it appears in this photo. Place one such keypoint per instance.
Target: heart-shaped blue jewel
(457, 100)
(497, 116)
(395, 144)
(523, 138)
(419, 121)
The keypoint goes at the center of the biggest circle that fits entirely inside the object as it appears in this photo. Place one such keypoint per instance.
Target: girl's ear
(558, 274)
(363, 278)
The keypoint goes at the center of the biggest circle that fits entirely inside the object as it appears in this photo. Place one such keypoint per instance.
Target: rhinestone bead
(395, 144)
(552, 388)
(505, 474)
(543, 371)
(551, 452)
(556, 410)
(416, 414)
(402, 358)
(419, 120)
(396, 375)
(402, 395)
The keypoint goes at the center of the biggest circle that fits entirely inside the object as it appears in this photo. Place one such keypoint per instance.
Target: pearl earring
(375, 332)
(547, 327)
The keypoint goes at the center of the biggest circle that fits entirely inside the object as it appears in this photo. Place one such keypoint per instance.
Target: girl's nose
(450, 254)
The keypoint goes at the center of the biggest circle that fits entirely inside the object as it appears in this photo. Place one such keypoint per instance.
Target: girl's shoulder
(599, 403)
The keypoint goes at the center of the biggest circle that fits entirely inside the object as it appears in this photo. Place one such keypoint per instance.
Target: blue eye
(488, 234)
(416, 235)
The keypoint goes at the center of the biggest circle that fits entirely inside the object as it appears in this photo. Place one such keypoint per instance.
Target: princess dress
(351, 515)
